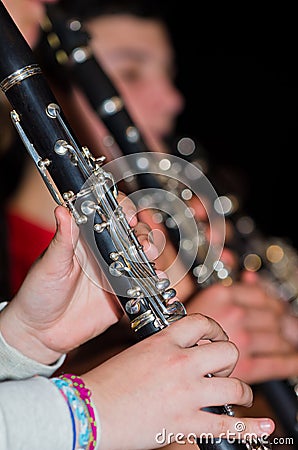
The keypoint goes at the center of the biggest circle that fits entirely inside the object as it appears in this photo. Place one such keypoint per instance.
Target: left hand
(58, 306)
(253, 319)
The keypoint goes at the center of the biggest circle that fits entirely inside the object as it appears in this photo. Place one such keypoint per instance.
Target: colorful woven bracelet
(57, 384)
(79, 411)
(85, 395)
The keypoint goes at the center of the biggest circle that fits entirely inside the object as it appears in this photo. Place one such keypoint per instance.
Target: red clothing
(26, 242)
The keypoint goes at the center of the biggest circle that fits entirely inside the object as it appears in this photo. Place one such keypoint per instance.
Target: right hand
(160, 383)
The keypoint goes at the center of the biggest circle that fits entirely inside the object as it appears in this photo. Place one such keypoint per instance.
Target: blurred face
(136, 53)
(27, 14)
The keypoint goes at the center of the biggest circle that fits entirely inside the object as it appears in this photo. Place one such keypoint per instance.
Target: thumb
(62, 247)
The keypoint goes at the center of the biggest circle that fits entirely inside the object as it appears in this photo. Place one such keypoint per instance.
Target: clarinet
(76, 179)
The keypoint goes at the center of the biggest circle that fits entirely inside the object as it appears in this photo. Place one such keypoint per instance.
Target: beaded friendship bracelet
(80, 413)
(85, 394)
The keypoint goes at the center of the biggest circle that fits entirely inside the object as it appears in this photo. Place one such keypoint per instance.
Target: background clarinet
(65, 52)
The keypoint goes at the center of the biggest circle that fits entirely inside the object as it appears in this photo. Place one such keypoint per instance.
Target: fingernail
(267, 425)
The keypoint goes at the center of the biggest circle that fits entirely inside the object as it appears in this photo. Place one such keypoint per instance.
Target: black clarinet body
(78, 180)
(75, 178)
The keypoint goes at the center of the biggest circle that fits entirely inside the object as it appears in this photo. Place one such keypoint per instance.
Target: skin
(142, 68)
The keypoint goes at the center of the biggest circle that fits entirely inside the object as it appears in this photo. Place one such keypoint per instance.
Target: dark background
(237, 71)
